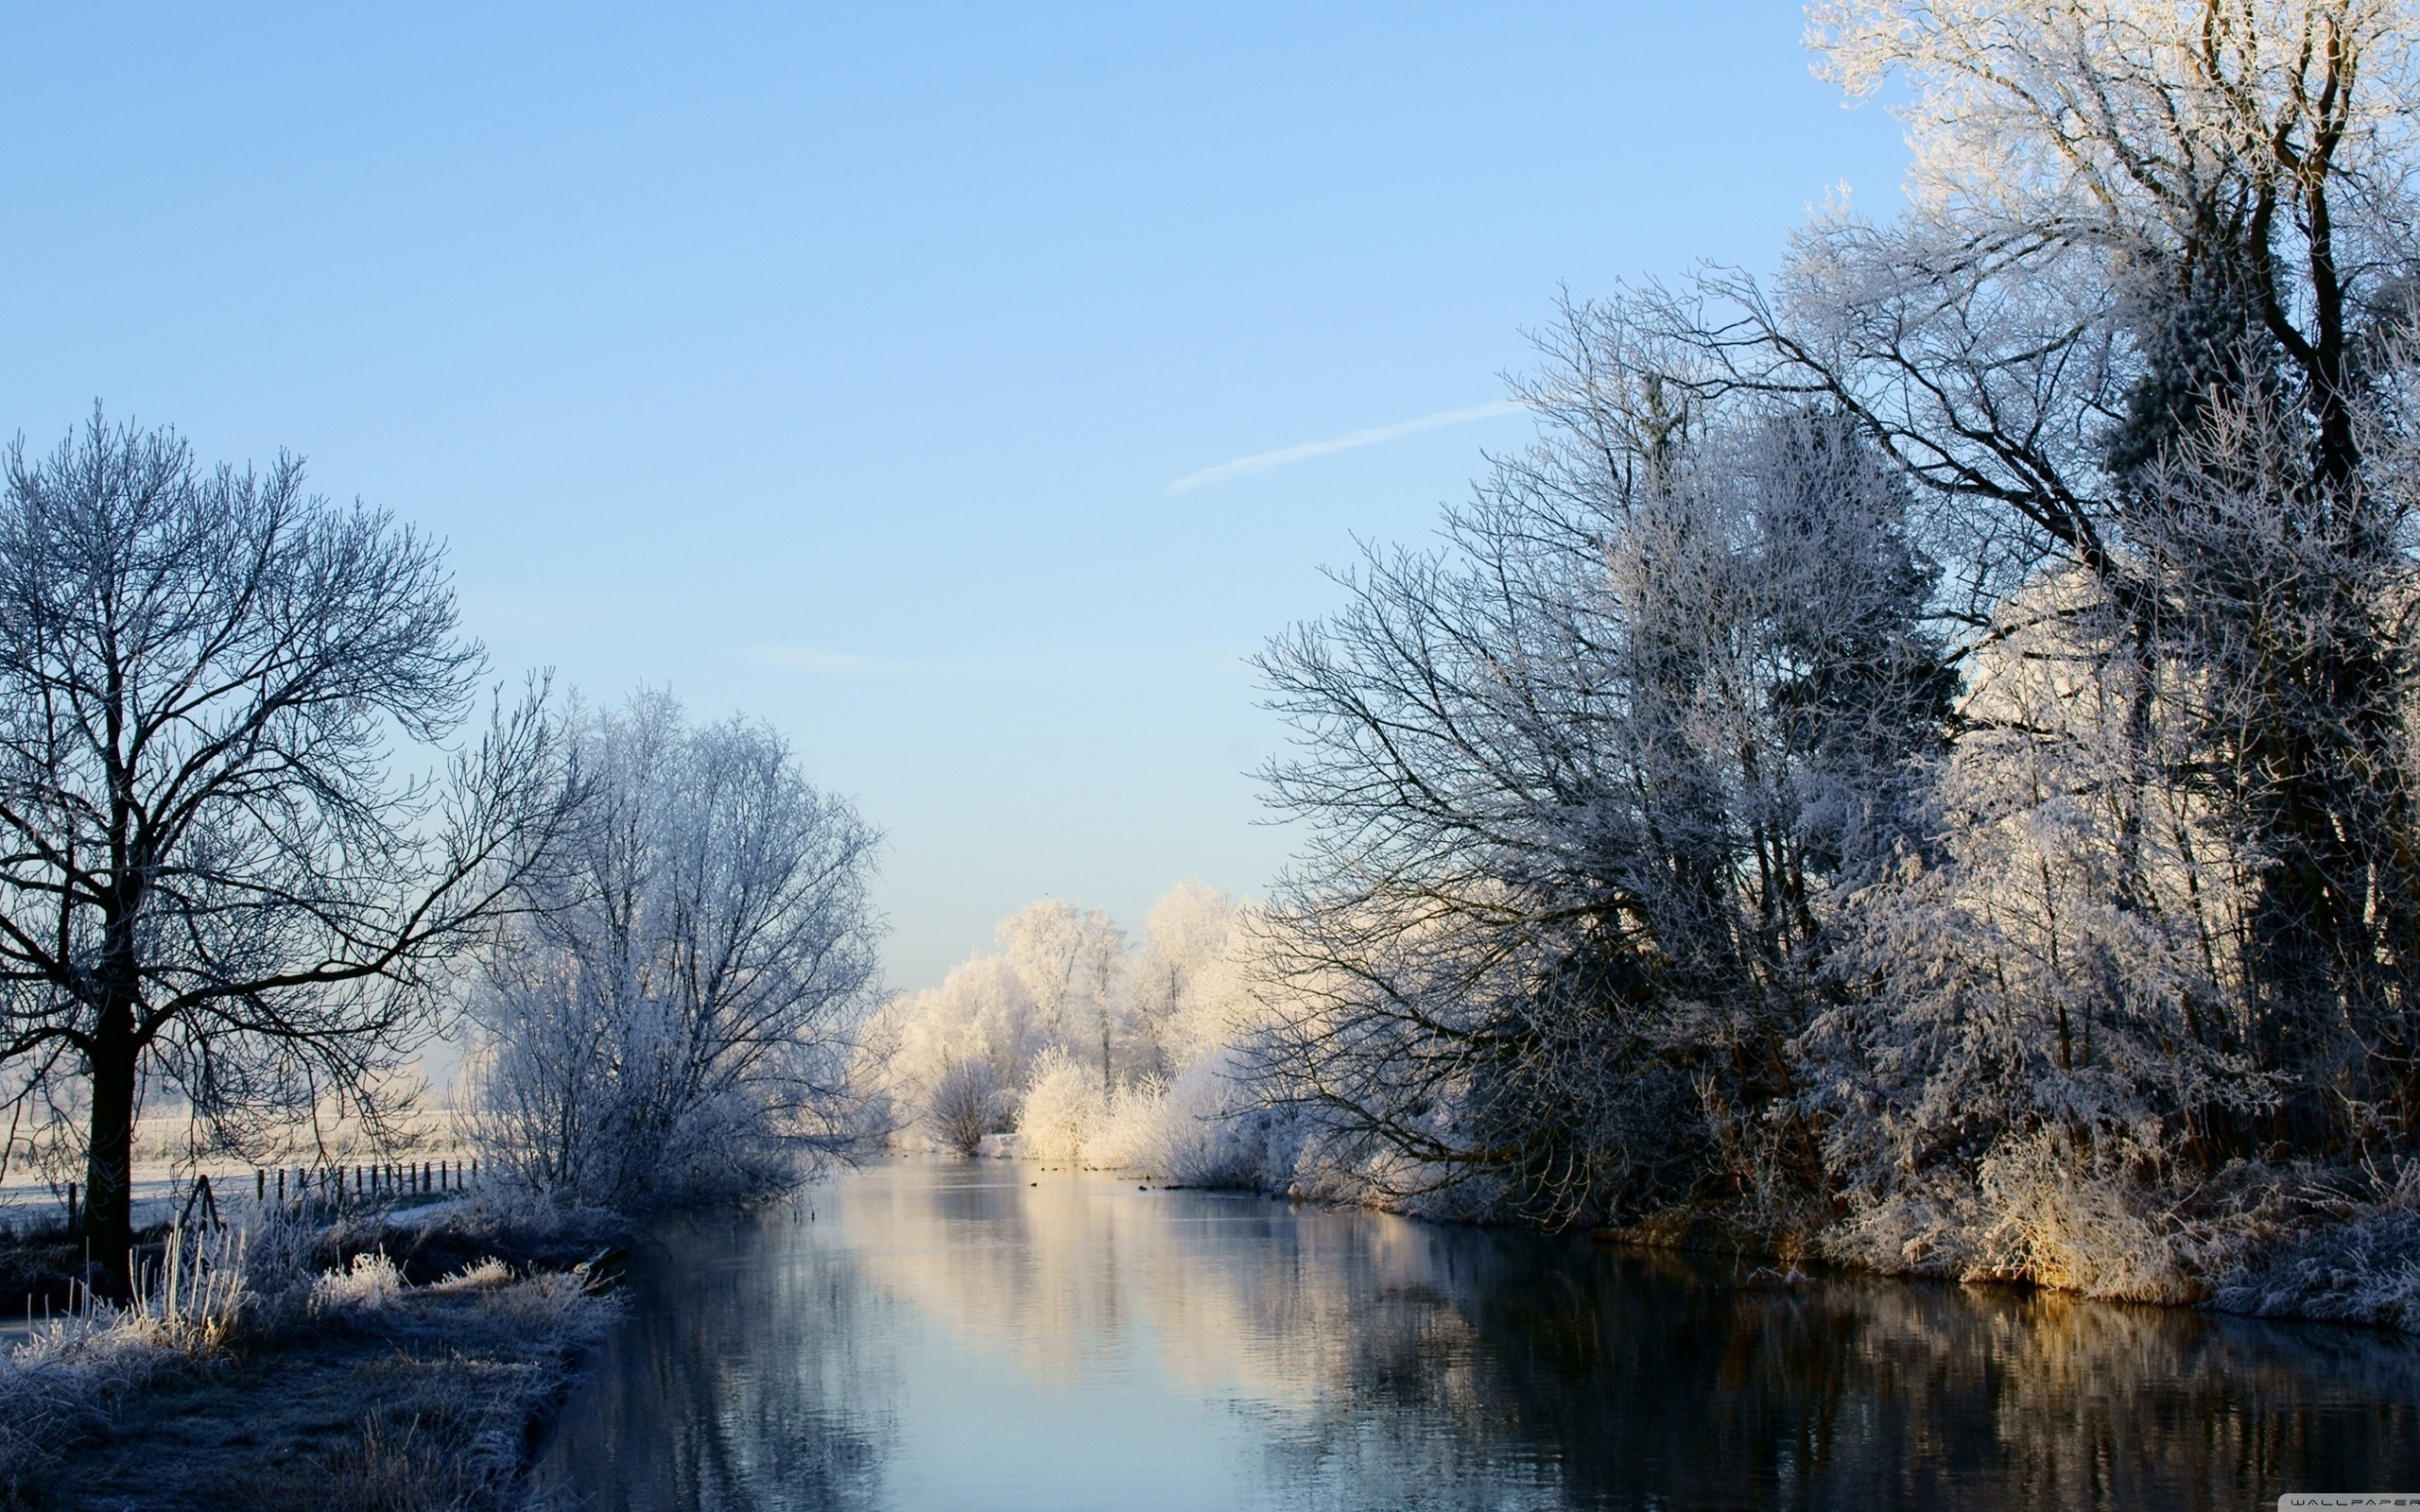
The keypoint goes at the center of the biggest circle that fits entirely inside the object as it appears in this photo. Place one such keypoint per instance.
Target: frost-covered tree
(2146, 319)
(1185, 983)
(672, 1020)
(966, 1103)
(978, 1012)
(2095, 181)
(1072, 963)
(922, 1043)
(2055, 965)
(1929, 738)
(1577, 786)
(976, 1048)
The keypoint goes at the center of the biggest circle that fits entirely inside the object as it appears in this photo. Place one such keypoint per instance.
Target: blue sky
(953, 386)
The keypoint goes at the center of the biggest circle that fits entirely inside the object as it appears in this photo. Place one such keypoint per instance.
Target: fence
(322, 1190)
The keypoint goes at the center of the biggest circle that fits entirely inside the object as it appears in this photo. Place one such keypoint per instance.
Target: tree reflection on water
(945, 1334)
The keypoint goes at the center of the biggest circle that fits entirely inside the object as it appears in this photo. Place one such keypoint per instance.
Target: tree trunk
(108, 1169)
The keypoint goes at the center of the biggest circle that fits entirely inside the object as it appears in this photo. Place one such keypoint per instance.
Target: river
(927, 1334)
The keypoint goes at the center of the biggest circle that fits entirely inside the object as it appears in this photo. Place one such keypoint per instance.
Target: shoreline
(2361, 1272)
(416, 1363)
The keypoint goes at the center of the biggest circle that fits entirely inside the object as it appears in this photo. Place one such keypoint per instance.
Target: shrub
(370, 1283)
(1064, 1109)
(967, 1103)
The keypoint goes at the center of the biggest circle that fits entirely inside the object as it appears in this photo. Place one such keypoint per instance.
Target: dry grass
(371, 1282)
(340, 1388)
(58, 1387)
(383, 1471)
(2358, 1264)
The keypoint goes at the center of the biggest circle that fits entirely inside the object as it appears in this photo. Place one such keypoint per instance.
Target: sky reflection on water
(930, 1335)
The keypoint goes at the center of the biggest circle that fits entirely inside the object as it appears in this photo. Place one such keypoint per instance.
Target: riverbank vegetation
(1917, 764)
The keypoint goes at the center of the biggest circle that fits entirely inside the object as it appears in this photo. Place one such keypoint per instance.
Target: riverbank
(2302, 1243)
(2299, 1240)
(396, 1359)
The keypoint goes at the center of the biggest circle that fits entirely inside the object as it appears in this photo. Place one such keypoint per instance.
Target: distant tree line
(1069, 1034)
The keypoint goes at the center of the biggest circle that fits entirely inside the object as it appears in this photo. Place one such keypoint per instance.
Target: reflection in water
(932, 1334)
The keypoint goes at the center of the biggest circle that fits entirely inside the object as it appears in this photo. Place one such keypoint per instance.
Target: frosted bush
(2065, 1220)
(1204, 1129)
(1068, 1118)
(2101, 1221)
(486, 1273)
(1064, 1109)
(549, 1302)
(967, 1103)
(2368, 1271)
(1912, 1232)
(370, 1283)
(2364, 1268)
(1134, 1131)
(279, 1254)
(1212, 1134)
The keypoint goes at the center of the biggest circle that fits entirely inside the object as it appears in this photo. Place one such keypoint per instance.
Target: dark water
(946, 1335)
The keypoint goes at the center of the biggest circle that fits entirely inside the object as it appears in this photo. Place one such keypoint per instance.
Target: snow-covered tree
(1072, 963)
(967, 1102)
(1186, 983)
(916, 1045)
(1005, 1029)
(673, 1019)
(1578, 784)
(2147, 319)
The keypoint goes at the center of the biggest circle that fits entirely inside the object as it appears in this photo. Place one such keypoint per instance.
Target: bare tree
(208, 872)
(967, 1103)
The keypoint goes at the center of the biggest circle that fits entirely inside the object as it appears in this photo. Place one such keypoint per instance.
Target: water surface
(928, 1334)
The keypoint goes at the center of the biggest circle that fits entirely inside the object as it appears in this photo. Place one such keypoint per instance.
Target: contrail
(1263, 462)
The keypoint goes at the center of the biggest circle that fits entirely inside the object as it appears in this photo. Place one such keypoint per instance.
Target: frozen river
(929, 1333)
